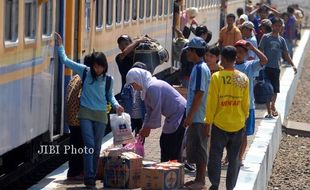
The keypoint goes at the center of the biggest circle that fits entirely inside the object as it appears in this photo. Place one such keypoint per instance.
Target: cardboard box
(161, 178)
(178, 165)
(123, 171)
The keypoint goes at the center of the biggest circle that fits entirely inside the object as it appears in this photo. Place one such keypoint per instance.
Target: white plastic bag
(121, 129)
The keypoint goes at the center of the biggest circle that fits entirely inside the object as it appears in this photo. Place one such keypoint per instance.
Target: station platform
(250, 173)
(57, 179)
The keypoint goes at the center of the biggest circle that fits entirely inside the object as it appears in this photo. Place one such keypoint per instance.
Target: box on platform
(168, 175)
(123, 171)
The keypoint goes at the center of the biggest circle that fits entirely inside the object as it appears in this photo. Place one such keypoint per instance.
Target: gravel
(291, 169)
(300, 110)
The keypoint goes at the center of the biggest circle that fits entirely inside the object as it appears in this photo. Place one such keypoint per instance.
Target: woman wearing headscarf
(160, 98)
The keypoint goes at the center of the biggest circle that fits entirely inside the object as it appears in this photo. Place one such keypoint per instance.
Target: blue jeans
(92, 133)
(219, 140)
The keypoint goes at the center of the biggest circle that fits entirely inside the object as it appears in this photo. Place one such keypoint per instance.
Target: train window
(118, 12)
(30, 18)
(141, 9)
(166, 4)
(87, 15)
(160, 7)
(109, 18)
(148, 8)
(188, 3)
(11, 20)
(47, 18)
(99, 13)
(154, 8)
(134, 9)
(126, 10)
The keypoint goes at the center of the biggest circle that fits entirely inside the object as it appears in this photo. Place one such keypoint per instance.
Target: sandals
(268, 116)
(225, 161)
(189, 183)
(197, 186)
(275, 113)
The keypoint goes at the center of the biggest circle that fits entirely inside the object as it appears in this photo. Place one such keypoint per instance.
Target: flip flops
(275, 113)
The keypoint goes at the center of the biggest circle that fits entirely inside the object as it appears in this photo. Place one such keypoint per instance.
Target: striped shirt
(199, 81)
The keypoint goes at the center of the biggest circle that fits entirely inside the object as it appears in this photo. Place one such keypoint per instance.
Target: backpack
(73, 97)
(107, 84)
(263, 90)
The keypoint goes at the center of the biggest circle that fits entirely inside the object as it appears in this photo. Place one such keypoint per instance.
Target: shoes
(89, 183)
(190, 167)
(268, 116)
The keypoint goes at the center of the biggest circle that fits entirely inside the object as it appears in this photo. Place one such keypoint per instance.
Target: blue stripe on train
(22, 65)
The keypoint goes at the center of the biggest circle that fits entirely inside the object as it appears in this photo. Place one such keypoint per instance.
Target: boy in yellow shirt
(227, 109)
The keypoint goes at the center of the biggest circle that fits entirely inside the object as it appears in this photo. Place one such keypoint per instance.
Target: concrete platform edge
(259, 159)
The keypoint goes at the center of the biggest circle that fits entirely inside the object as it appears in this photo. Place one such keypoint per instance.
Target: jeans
(92, 133)
(219, 140)
(290, 47)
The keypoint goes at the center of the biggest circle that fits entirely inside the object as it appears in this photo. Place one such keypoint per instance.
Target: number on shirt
(226, 79)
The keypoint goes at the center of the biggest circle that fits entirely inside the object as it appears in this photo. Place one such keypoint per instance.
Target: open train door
(74, 24)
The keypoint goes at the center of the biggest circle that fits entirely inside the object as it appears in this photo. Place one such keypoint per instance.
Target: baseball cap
(196, 43)
(241, 43)
(265, 22)
(248, 24)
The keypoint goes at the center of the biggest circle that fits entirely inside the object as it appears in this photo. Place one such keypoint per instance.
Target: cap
(265, 22)
(123, 37)
(244, 17)
(241, 43)
(196, 43)
(248, 24)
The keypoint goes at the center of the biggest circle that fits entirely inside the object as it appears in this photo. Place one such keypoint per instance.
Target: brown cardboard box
(178, 165)
(161, 178)
(123, 171)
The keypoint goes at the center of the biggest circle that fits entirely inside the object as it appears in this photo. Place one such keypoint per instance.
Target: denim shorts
(250, 123)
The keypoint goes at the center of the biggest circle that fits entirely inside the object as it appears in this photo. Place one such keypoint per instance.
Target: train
(33, 82)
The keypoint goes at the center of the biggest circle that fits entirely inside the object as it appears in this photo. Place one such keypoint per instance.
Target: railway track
(27, 174)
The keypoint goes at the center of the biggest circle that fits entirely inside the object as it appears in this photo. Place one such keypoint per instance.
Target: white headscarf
(141, 77)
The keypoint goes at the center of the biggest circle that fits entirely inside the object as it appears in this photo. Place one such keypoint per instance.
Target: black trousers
(136, 125)
(75, 160)
(219, 140)
(171, 144)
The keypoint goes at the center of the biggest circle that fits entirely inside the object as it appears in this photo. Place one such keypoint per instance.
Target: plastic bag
(121, 129)
(138, 146)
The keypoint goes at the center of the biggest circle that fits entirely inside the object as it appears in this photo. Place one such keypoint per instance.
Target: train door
(56, 128)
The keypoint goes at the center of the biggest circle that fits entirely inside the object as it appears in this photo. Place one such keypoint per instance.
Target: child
(249, 68)
(273, 45)
(212, 57)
